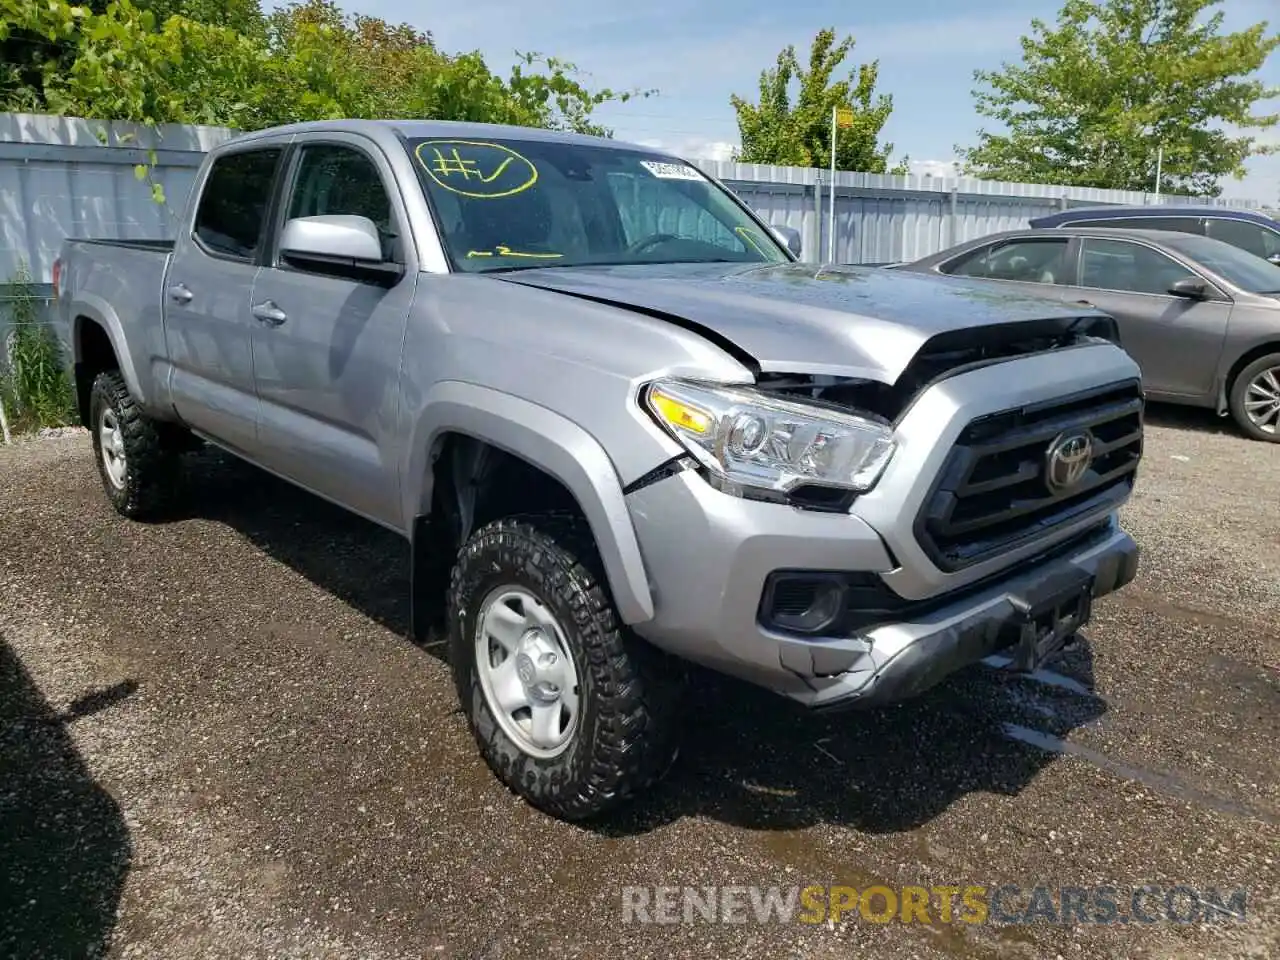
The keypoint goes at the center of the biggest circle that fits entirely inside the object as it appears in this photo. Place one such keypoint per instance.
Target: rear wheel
(569, 709)
(1255, 399)
(137, 467)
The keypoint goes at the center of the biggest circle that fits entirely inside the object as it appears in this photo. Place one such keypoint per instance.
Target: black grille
(992, 495)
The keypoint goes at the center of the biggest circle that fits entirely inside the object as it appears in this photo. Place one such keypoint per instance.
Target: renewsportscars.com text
(969, 903)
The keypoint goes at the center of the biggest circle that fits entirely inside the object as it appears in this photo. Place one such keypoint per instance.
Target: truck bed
(127, 275)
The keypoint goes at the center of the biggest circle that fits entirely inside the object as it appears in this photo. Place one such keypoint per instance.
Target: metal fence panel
(65, 177)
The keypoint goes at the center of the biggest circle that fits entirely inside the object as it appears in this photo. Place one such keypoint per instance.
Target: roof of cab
(380, 130)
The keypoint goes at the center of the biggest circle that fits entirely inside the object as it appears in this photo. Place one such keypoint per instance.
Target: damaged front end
(944, 355)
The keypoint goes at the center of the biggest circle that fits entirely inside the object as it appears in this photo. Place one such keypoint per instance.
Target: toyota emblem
(1067, 460)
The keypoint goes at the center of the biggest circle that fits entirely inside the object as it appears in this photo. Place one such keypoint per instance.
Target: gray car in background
(1200, 316)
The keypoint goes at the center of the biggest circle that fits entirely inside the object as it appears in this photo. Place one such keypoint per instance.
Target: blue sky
(698, 53)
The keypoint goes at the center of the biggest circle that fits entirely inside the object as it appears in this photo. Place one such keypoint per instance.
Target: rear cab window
(230, 219)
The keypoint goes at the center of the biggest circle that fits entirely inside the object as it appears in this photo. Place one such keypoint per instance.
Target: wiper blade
(516, 267)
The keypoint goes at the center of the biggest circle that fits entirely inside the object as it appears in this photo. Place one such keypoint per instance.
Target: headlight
(753, 443)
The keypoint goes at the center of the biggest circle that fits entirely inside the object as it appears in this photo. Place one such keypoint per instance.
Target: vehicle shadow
(64, 844)
(879, 771)
(756, 760)
(351, 558)
(1199, 419)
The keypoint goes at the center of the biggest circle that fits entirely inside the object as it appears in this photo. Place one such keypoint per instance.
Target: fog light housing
(802, 602)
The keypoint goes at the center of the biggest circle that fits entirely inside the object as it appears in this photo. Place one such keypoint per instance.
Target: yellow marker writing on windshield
(468, 168)
(474, 168)
(504, 251)
(745, 234)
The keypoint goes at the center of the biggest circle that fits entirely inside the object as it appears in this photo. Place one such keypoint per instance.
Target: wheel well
(1241, 362)
(96, 355)
(473, 484)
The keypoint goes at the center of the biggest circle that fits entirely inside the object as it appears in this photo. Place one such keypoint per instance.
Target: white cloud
(692, 148)
(933, 168)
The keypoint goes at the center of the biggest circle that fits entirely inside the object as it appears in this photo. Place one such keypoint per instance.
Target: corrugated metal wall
(881, 219)
(64, 177)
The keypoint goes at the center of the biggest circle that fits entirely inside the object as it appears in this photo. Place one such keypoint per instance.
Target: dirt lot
(215, 742)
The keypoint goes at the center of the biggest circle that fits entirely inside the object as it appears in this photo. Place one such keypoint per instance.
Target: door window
(1130, 267)
(1253, 237)
(233, 205)
(339, 180)
(1030, 261)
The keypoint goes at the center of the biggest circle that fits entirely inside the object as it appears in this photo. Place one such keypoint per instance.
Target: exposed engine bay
(943, 356)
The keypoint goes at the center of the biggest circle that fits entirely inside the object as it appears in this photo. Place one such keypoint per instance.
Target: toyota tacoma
(621, 427)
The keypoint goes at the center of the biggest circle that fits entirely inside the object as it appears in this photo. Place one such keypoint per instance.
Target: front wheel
(570, 710)
(1255, 399)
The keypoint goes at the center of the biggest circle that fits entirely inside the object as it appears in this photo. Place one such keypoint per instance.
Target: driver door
(326, 345)
(1174, 340)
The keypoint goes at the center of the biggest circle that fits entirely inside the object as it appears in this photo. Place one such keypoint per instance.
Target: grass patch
(35, 385)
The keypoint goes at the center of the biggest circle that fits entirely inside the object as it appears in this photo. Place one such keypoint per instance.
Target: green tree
(777, 131)
(225, 64)
(1095, 98)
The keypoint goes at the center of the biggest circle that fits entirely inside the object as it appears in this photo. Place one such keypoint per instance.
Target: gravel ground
(215, 742)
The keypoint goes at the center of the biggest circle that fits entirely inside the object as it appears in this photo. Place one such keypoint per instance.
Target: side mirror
(789, 236)
(339, 237)
(1275, 258)
(1189, 287)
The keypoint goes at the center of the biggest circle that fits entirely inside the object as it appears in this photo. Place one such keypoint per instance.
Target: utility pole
(831, 217)
(840, 117)
(1159, 165)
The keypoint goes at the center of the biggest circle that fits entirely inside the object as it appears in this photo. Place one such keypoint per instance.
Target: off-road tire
(1239, 393)
(151, 464)
(630, 693)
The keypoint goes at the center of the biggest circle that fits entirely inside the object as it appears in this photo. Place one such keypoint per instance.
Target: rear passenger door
(208, 327)
(1175, 341)
(327, 363)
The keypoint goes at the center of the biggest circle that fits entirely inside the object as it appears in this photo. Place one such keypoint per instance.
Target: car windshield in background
(1246, 270)
(513, 204)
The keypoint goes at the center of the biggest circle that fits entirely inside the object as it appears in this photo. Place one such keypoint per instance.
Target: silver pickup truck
(622, 428)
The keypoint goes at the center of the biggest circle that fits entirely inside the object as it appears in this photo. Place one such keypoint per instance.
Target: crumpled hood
(802, 319)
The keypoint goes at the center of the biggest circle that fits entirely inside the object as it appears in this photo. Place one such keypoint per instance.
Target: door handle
(1084, 303)
(269, 313)
(180, 294)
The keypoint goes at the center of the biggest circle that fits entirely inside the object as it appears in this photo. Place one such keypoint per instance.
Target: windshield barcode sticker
(671, 171)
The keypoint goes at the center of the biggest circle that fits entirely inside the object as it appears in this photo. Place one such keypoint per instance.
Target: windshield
(1246, 270)
(512, 204)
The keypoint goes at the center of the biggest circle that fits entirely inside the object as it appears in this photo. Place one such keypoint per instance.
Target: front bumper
(708, 556)
(908, 658)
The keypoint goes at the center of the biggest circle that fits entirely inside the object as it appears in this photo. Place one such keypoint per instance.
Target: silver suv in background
(620, 428)
(1252, 232)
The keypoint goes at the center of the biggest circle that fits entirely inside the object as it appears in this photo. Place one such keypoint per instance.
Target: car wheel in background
(1255, 399)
